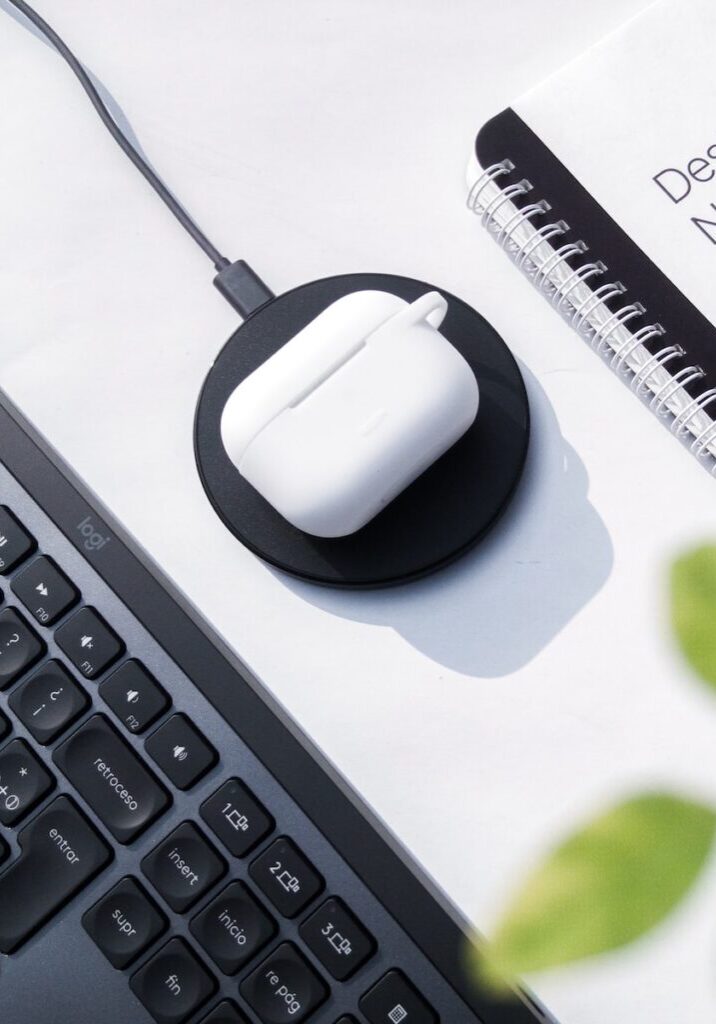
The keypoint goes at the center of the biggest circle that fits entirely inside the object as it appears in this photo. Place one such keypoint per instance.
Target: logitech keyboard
(172, 848)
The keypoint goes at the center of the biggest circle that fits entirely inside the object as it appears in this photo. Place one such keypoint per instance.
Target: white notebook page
(638, 106)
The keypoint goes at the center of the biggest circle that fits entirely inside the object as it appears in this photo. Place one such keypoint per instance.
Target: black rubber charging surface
(442, 514)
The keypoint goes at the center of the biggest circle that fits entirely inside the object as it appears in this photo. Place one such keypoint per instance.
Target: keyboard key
(238, 819)
(23, 781)
(394, 1000)
(181, 751)
(233, 928)
(124, 923)
(61, 852)
(4, 726)
(284, 988)
(136, 698)
(15, 542)
(183, 867)
(173, 984)
(287, 878)
(224, 1013)
(20, 647)
(337, 939)
(89, 642)
(44, 590)
(48, 702)
(108, 774)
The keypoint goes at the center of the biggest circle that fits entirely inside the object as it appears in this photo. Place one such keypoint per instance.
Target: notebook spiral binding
(562, 271)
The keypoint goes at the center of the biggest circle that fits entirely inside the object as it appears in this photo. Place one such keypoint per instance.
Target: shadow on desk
(499, 606)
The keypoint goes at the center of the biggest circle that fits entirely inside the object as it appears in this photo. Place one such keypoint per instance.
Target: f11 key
(89, 642)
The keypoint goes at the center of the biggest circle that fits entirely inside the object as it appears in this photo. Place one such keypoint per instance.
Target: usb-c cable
(237, 282)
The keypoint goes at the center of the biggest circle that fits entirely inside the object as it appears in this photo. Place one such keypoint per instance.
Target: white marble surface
(481, 712)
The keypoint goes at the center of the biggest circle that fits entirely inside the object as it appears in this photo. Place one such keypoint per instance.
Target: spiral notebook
(601, 185)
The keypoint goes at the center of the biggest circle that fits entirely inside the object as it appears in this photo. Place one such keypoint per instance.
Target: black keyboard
(171, 847)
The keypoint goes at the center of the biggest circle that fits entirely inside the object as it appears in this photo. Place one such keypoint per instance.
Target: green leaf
(693, 609)
(603, 888)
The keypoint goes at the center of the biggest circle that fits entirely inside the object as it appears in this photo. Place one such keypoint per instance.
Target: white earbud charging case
(350, 411)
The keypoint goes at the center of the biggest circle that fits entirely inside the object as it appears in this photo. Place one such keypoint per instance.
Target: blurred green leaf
(603, 888)
(693, 609)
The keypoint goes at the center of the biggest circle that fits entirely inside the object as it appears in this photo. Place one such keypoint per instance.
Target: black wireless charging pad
(439, 517)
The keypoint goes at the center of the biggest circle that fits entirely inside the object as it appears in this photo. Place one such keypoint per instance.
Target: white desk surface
(481, 712)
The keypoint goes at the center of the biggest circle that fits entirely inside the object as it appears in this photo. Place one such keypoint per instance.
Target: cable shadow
(493, 611)
(118, 115)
